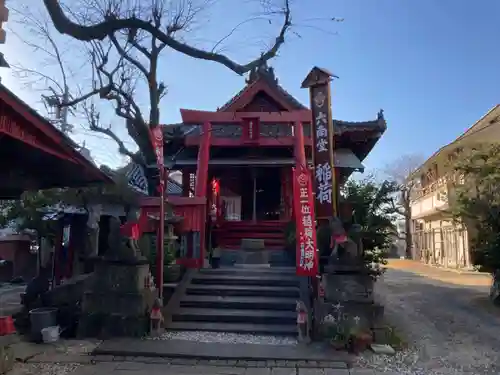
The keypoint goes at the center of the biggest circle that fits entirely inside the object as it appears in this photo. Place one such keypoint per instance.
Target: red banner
(157, 141)
(306, 256)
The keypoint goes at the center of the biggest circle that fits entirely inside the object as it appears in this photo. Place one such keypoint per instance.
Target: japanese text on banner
(305, 223)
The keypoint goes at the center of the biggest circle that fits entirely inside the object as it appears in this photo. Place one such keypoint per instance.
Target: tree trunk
(408, 238)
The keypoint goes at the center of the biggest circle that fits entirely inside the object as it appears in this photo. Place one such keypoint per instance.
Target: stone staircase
(231, 234)
(240, 300)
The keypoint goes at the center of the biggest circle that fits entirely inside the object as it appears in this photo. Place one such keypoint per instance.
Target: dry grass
(447, 276)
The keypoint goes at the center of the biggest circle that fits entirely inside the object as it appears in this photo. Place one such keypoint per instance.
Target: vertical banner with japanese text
(157, 141)
(318, 82)
(306, 254)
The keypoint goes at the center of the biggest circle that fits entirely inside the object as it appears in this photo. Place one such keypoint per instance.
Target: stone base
(112, 325)
(348, 286)
(348, 307)
(6, 359)
(252, 244)
(336, 320)
(116, 302)
(7, 356)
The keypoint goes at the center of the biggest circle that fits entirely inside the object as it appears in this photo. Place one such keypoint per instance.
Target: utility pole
(63, 114)
(60, 116)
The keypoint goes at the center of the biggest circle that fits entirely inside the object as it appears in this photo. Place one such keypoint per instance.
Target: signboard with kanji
(307, 257)
(318, 82)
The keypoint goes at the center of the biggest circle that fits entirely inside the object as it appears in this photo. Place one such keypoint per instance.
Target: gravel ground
(43, 368)
(450, 329)
(225, 338)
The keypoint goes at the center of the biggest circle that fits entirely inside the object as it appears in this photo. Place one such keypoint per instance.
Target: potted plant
(359, 340)
(338, 342)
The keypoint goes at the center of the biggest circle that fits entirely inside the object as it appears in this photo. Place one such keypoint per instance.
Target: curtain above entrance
(344, 158)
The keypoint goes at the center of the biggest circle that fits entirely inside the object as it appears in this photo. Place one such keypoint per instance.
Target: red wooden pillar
(286, 192)
(299, 148)
(202, 182)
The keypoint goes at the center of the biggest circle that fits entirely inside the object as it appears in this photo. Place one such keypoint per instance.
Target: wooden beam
(195, 117)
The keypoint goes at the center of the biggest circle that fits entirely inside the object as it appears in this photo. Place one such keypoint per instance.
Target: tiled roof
(341, 127)
(265, 74)
(173, 187)
(294, 103)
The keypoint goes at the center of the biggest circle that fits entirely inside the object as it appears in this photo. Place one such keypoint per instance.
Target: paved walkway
(159, 368)
(72, 358)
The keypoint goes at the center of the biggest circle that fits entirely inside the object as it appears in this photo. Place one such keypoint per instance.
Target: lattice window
(227, 131)
(276, 130)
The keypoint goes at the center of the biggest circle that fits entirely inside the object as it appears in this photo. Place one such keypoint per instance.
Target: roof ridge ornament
(263, 71)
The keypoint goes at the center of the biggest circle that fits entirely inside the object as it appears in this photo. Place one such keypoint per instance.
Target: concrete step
(251, 234)
(234, 316)
(238, 279)
(250, 270)
(237, 246)
(257, 329)
(243, 290)
(230, 302)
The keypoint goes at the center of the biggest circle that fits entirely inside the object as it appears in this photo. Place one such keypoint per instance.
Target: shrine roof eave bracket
(195, 117)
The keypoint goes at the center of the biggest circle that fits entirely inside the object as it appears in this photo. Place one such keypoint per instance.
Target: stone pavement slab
(201, 350)
(110, 368)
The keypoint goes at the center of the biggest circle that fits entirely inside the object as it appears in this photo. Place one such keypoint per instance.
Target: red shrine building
(237, 162)
(35, 155)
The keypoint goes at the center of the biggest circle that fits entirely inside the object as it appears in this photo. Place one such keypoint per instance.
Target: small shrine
(236, 165)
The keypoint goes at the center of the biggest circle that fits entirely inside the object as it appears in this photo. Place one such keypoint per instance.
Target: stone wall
(348, 305)
(116, 302)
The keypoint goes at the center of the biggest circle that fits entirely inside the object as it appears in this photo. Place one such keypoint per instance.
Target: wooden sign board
(318, 82)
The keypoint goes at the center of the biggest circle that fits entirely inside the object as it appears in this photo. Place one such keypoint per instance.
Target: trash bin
(41, 318)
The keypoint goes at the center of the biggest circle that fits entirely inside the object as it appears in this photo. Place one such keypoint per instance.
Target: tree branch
(101, 30)
(94, 124)
(124, 54)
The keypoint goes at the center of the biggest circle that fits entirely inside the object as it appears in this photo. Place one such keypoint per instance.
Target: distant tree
(399, 173)
(475, 202)
(28, 211)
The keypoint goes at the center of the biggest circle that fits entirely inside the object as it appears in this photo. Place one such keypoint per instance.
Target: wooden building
(35, 155)
(237, 161)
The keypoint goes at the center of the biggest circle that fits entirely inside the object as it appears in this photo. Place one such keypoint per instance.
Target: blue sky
(432, 65)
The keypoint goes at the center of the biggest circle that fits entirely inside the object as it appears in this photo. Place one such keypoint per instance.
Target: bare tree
(124, 41)
(400, 172)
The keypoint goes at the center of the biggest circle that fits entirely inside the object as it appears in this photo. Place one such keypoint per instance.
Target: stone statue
(120, 247)
(345, 250)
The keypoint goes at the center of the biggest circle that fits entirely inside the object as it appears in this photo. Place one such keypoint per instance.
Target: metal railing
(445, 246)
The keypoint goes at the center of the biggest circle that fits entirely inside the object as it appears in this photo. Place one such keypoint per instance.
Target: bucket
(41, 318)
(6, 325)
(50, 334)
